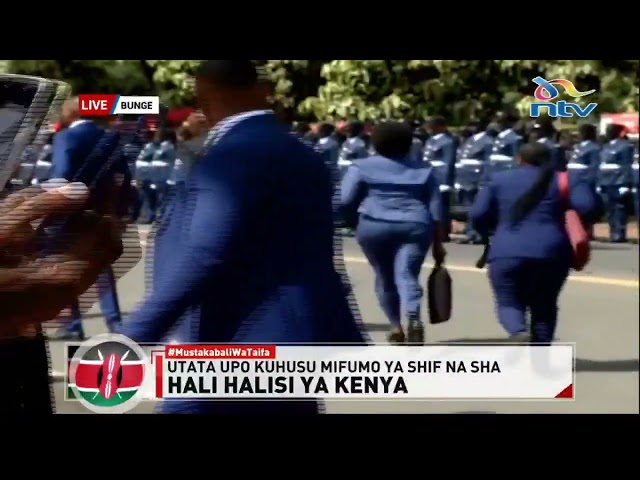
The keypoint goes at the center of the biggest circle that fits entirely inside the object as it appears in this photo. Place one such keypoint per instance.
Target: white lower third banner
(360, 372)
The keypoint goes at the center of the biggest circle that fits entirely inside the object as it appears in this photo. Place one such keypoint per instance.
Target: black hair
(354, 128)
(545, 125)
(301, 128)
(437, 121)
(392, 139)
(229, 73)
(325, 129)
(588, 131)
(537, 155)
(613, 130)
(506, 118)
(168, 135)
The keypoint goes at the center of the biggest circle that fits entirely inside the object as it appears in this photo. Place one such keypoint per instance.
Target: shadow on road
(582, 364)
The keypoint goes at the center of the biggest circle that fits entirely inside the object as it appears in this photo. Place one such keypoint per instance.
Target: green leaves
(366, 89)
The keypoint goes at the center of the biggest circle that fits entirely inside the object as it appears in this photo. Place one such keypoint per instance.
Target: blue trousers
(521, 284)
(466, 199)
(616, 212)
(108, 304)
(146, 203)
(445, 214)
(396, 251)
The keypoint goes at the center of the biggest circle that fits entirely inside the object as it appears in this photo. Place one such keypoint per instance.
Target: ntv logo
(546, 92)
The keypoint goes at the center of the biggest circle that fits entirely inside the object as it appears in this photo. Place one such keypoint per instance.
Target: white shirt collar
(478, 136)
(223, 126)
(437, 136)
(75, 123)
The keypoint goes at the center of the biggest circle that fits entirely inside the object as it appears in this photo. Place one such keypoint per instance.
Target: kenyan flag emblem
(106, 373)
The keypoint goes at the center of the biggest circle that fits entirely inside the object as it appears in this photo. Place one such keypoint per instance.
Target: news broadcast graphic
(102, 105)
(106, 374)
(205, 372)
(364, 372)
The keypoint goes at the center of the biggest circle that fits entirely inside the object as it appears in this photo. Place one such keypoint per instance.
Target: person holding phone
(35, 289)
(71, 148)
(398, 202)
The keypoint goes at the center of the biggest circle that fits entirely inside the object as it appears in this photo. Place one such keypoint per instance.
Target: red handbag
(578, 236)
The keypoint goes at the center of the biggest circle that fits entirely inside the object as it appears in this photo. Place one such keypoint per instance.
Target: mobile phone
(24, 104)
(30, 164)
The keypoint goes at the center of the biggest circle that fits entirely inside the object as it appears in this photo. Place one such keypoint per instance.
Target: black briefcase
(439, 292)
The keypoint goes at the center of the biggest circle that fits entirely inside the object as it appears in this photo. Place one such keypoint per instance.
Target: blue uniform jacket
(616, 163)
(246, 254)
(541, 234)
(354, 148)
(558, 158)
(329, 150)
(473, 159)
(80, 151)
(585, 160)
(440, 153)
(392, 190)
(507, 143)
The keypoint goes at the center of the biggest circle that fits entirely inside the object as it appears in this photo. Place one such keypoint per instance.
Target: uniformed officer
(43, 164)
(545, 133)
(440, 154)
(506, 145)
(327, 146)
(585, 156)
(302, 130)
(147, 202)
(473, 158)
(614, 180)
(417, 145)
(397, 200)
(354, 147)
(162, 165)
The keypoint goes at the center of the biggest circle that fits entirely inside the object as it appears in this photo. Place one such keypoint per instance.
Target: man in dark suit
(248, 257)
(71, 148)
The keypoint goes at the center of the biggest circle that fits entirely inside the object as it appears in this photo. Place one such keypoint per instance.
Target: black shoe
(66, 335)
(396, 336)
(415, 334)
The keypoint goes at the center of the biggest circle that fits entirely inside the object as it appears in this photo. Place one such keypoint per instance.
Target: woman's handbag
(578, 236)
(439, 294)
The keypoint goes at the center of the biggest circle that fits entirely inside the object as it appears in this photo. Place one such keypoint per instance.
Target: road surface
(598, 311)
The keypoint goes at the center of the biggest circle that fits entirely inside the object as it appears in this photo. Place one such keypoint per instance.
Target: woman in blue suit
(397, 201)
(530, 254)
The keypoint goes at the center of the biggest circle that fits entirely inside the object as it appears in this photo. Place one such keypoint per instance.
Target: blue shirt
(392, 190)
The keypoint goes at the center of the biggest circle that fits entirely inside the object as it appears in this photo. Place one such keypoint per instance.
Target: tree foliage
(367, 89)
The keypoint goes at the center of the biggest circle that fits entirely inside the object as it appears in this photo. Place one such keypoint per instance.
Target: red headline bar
(220, 352)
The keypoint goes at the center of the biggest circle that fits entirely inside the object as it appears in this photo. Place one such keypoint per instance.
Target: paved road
(599, 311)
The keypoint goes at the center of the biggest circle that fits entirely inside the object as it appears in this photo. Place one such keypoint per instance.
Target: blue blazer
(392, 190)
(541, 234)
(246, 254)
(73, 146)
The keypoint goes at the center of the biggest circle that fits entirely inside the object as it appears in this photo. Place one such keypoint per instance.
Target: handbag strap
(563, 186)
